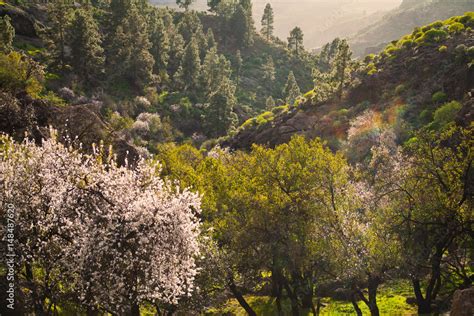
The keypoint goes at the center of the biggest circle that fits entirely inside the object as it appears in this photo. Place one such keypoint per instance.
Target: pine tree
(189, 25)
(189, 70)
(7, 33)
(118, 53)
(87, 54)
(295, 41)
(213, 4)
(267, 22)
(242, 27)
(291, 91)
(214, 70)
(184, 3)
(59, 17)
(160, 42)
(142, 62)
(211, 41)
(176, 53)
(128, 45)
(270, 103)
(342, 64)
(269, 70)
(220, 117)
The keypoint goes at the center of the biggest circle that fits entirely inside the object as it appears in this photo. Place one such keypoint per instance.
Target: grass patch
(391, 301)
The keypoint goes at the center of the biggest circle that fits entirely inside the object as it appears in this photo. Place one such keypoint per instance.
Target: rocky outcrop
(23, 22)
(463, 303)
(409, 78)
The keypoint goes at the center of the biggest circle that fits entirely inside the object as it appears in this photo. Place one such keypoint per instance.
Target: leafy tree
(86, 51)
(342, 68)
(7, 33)
(267, 22)
(295, 41)
(190, 68)
(19, 73)
(269, 70)
(291, 91)
(102, 226)
(184, 3)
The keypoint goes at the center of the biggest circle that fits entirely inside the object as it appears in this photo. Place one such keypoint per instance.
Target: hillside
(402, 20)
(444, 72)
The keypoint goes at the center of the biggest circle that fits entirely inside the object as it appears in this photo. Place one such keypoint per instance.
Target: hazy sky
(321, 20)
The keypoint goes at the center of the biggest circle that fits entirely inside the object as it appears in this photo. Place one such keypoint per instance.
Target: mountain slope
(411, 82)
(402, 20)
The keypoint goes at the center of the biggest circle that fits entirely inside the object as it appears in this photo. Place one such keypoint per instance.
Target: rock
(463, 303)
(23, 22)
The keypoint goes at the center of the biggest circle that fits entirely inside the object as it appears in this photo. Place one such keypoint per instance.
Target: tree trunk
(240, 298)
(356, 306)
(374, 283)
(424, 306)
(135, 310)
(92, 311)
(293, 298)
(38, 304)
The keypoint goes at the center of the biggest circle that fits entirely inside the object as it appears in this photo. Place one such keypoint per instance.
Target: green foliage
(439, 97)
(456, 27)
(295, 41)
(443, 49)
(267, 22)
(20, 73)
(446, 114)
(188, 73)
(264, 118)
(7, 33)
(86, 50)
(291, 91)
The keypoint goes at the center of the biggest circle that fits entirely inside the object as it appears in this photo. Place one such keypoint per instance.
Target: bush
(435, 35)
(443, 49)
(264, 118)
(456, 27)
(20, 73)
(439, 97)
(446, 114)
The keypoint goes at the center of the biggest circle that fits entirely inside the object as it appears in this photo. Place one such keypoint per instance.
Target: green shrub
(264, 118)
(443, 49)
(456, 27)
(425, 116)
(446, 114)
(20, 73)
(439, 97)
(435, 35)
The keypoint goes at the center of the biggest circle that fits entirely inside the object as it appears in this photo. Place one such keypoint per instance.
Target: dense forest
(158, 161)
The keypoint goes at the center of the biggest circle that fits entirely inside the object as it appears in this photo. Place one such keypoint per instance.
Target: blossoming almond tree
(109, 236)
